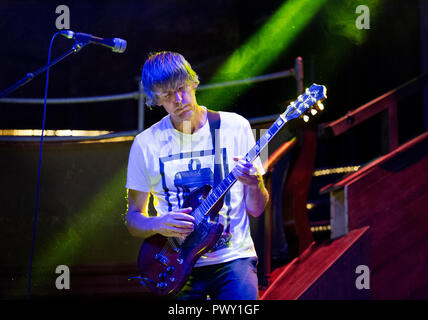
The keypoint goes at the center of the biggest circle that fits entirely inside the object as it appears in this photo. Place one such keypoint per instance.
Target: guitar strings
(174, 243)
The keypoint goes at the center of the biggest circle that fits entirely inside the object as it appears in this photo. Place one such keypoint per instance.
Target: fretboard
(220, 190)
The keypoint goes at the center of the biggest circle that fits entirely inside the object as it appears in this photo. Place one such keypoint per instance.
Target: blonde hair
(165, 70)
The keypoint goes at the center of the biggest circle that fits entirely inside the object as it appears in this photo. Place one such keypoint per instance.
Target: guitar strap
(214, 122)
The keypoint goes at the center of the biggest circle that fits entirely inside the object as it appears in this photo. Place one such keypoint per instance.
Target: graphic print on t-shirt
(190, 174)
(193, 178)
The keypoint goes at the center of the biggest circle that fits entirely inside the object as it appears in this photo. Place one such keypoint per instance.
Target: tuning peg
(314, 112)
(305, 118)
(320, 105)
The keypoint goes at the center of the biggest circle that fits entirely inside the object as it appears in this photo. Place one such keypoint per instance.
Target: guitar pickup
(162, 259)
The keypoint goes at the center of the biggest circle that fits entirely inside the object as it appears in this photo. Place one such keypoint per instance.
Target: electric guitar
(165, 263)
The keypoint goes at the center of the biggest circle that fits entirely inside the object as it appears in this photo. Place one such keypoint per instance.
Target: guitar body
(165, 267)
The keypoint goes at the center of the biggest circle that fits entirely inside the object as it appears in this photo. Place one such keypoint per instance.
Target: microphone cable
(39, 170)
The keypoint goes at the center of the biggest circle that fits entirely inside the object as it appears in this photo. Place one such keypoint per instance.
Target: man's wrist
(257, 186)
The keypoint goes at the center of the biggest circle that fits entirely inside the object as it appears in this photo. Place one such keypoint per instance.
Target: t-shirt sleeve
(248, 143)
(137, 175)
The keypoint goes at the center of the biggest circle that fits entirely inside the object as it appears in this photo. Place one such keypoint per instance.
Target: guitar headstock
(310, 100)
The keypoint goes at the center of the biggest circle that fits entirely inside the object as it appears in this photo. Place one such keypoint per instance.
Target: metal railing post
(140, 106)
(298, 69)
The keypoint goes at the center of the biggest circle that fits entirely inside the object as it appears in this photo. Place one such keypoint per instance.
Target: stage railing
(386, 102)
(296, 72)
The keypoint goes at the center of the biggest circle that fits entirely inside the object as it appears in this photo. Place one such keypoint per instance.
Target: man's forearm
(139, 224)
(256, 198)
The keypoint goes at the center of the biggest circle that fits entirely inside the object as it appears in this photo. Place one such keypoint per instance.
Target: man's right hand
(177, 223)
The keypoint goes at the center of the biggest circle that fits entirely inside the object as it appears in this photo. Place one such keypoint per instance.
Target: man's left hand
(247, 173)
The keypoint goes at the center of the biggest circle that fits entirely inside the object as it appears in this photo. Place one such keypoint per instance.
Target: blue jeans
(233, 280)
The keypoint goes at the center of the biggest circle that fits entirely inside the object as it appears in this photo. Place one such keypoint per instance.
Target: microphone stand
(78, 45)
(30, 76)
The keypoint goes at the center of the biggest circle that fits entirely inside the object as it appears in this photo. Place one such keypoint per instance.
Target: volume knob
(162, 285)
(170, 269)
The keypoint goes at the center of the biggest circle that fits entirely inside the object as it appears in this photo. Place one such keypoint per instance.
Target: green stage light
(342, 19)
(261, 50)
(83, 238)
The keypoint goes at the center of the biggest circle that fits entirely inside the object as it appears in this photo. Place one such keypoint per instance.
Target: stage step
(390, 195)
(323, 271)
(379, 220)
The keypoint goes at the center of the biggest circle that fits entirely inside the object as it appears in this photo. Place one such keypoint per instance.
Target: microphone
(115, 44)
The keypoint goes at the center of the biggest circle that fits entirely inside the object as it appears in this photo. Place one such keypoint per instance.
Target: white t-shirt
(171, 164)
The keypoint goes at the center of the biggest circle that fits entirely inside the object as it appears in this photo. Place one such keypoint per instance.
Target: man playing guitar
(175, 156)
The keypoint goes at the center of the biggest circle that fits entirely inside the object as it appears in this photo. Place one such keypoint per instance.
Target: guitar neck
(314, 95)
(220, 190)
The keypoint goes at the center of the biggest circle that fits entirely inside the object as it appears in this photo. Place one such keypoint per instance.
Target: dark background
(207, 33)
(83, 199)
